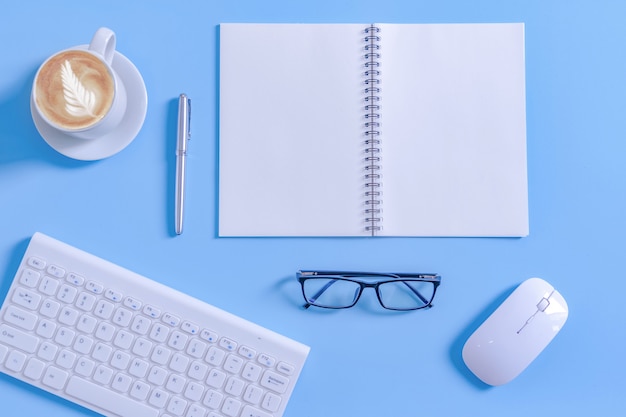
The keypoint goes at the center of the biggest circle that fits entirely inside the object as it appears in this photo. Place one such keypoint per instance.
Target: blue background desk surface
(363, 361)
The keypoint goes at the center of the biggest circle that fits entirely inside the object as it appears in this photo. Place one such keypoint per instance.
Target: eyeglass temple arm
(416, 292)
(320, 292)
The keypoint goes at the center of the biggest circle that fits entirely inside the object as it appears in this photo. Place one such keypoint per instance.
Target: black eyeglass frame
(302, 276)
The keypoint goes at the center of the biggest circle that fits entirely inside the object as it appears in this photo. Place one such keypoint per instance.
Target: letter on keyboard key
(107, 400)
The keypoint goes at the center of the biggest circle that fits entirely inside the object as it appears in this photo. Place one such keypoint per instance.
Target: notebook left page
(291, 130)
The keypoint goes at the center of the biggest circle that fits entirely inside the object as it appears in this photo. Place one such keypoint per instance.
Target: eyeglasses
(335, 289)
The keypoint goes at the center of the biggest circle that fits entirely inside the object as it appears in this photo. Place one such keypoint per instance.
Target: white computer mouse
(516, 332)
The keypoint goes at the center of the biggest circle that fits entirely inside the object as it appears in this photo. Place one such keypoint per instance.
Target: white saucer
(118, 139)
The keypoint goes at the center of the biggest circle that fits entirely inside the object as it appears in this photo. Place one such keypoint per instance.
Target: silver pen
(183, 135)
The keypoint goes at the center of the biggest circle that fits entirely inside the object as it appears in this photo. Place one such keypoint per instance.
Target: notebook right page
(453, 130)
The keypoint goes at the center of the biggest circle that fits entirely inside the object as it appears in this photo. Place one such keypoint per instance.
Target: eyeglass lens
(332, 293)
(406, 295)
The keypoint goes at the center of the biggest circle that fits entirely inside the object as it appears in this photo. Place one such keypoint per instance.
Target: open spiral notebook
(360, 129)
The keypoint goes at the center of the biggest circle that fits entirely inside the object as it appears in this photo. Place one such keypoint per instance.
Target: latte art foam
(74, 90)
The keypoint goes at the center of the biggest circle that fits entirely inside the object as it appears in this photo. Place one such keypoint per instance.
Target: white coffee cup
(77, 91)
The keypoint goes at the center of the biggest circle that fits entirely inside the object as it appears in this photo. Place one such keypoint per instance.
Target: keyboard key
(86, 324)
(234, 386)
(85, 367)
(158, 398)
(195, 411)
(85, 301)
(75, 279)
(142, 347)
(196, 349)
(215, 356)
(209, 336)
(47, 351)
(138, 368)
(49, 286)
(140, 325)
(120, 360)
(103, 375)
(102, 352)
(68, 316)
(15, 361)
(105, 331)
(177, 340)
(251, 372)
(171, 319)
(157, 375)
(198, 370)
(176, 406)
(94, 287)
(231, 407)
(112, 295)
(190, 327)
(56, 271)
(83, 344)
(20, 318)
(50, 308)
(159, 332)
(152, 312)
(285, 368)
(67, 294)
(247, 352)
(123, 339)
(228, 344)
(266, 360)
(104, 309)
(121, 382)
(30, 278)
(140, 390)
(274, 381)
(194, 391)
(26, 298)
(253, 394)
(66, 359)
(132, 303)
(175, 383)
(55, 377)
(233, 364)
(107, 399)
(216, 378)
(161, 355)
(179, 363)
(34, 369)
(36, 263)
(271, 402)
(18, 339)
(213, 399)
(249, 411)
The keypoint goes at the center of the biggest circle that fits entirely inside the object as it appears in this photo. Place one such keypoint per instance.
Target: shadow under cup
(76, 92)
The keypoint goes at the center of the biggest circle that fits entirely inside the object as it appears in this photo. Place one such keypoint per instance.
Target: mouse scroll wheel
(543, 304)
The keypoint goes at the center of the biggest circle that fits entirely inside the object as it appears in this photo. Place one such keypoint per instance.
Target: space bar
(107, 400)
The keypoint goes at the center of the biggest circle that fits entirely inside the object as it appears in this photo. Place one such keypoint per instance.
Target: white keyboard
(122, 345)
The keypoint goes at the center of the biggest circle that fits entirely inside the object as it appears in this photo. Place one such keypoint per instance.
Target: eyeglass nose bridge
(363, 285)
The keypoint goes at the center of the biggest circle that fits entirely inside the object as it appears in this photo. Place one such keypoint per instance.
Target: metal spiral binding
(372, 160)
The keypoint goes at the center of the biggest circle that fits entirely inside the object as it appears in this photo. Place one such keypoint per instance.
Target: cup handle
(103, 43)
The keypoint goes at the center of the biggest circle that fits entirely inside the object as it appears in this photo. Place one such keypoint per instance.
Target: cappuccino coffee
(74, 90)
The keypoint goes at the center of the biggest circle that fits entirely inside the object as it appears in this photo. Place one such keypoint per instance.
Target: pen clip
(184, 123)
(188, 117)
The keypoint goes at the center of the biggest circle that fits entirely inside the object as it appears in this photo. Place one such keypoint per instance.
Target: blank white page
(454, 130)
(290, 130)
